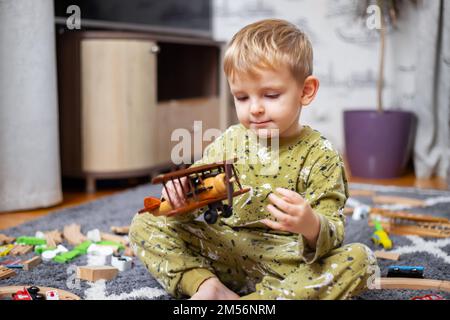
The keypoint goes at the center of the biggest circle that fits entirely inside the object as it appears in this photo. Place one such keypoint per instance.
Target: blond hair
(269, 43)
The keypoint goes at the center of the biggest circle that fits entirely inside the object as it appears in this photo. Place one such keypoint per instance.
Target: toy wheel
(210, 216)
(33, 290)
(38, 296)
(226, 211)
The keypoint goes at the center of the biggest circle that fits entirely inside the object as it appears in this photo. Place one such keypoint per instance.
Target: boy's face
(272, 99)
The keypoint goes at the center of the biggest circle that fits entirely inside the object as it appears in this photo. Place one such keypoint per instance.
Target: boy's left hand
(293, 214)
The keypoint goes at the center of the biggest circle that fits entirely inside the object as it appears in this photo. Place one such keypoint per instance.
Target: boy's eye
(241, 98)
(272, 96)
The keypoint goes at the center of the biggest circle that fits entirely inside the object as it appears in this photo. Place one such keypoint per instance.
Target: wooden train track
(414, 284)
(6, 292)
(406, 223)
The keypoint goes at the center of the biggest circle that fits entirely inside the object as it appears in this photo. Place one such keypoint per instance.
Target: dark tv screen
(182, 14)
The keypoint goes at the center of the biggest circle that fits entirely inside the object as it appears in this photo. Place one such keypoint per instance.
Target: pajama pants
(253, 263)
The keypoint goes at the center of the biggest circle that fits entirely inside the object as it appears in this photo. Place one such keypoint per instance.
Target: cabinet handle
(154, 49)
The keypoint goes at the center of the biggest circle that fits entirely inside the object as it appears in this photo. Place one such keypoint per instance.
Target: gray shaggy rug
(137, 283)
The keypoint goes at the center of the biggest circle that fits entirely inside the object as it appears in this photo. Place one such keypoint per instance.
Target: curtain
(432, 82)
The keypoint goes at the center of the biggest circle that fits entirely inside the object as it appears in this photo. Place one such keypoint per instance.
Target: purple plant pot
(378, 145)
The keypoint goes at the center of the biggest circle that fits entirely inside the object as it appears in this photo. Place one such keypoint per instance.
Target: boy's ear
(310, 87)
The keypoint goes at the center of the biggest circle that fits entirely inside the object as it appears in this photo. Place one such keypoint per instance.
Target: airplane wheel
(227, 211)
(210, 216)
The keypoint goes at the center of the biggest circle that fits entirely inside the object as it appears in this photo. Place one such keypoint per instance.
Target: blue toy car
(405, 271)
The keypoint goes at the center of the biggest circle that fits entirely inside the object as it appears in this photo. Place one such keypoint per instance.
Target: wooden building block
(6, 273)
(94, 273)
(113, 237)
(31, 263)
(72, 233)
(19, 250)
(53, 238)
(4, 239)
(387, 255)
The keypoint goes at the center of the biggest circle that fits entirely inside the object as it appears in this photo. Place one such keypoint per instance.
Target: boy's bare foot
(213, 289)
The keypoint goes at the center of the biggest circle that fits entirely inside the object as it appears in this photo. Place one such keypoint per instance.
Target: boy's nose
(256, 108)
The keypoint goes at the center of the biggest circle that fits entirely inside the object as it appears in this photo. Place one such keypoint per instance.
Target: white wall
(346, 55)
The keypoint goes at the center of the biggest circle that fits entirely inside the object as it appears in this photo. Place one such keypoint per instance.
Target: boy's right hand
(177, 196)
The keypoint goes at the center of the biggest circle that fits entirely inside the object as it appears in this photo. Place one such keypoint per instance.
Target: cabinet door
(118, 89)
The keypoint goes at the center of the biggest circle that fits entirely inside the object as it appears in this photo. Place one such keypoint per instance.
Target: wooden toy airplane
(208, 185)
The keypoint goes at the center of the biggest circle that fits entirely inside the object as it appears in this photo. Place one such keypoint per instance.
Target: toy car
(31, 293)
(405, 271)
(380, 237)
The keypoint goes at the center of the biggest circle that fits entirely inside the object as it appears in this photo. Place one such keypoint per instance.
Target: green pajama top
(306, 163)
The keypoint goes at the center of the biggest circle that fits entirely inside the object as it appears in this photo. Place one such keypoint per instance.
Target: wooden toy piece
(407, 223)
(31, 263)
(128, 252)
(19, 250)
(72, 233)
(414, 284)
(120, 230)
(6, 292)
(361, 193)
(112, 237)
(206, 186)
(387, 255)
(398, 200)
(94, 273)
(53, 238)
(4, 239)
(6, 273)
(348, 211)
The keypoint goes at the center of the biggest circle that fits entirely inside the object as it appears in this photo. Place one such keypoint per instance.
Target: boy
(284, 239)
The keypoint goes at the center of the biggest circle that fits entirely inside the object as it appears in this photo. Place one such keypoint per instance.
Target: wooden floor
(75, 195)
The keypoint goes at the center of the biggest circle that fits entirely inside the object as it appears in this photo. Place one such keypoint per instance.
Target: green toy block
(79, 250)
(31, 241)
(111, 243)
(41, 248)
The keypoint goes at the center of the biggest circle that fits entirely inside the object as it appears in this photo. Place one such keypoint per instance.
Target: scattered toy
(428, 297)
(75, 252)
(31, 241)
(380, 237)
(72, 233)
(20, 250)
(360, 212)
(405, 271)
(4, 239)
(31, 263)
(48, 255)
(120, 230)
(122, 263)
(387, 255)
(6, 273)
(5, 249)
(94, 273)
(94, 235)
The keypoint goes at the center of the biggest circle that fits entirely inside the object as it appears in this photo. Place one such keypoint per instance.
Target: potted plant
(378, 142)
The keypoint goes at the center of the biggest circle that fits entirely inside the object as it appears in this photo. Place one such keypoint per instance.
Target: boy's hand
(293, 214)
(176, 192)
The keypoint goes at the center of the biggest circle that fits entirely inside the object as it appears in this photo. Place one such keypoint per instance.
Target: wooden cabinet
(122, 95)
